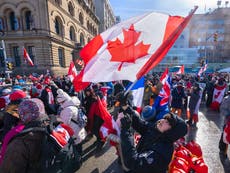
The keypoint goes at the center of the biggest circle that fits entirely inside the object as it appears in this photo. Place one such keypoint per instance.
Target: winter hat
(148, 113)
(62, 96)
(16, 95)
(31, 109)
(171, 119)
(17, 87)
(47, 80)
(6, 91)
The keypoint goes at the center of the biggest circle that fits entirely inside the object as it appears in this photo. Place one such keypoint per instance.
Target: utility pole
(3, 48)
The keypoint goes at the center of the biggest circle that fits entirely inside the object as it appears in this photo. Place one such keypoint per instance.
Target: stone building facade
(210, 34)
(105, 13)
(50, 30)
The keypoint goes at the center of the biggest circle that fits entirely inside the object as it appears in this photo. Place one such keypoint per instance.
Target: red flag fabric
(129, 49)
(72, 73)
(27, 57)
(218, 95)
(109, 126)
(166, 88)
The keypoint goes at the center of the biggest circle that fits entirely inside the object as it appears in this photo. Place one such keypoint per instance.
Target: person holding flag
(154, 150)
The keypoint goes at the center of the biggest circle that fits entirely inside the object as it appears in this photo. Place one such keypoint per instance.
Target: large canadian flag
(129, 49)
(27, 57)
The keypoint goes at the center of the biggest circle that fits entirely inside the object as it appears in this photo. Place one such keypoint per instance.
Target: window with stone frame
(82, 39)
(16, 56)
(61, 57)
(81, 19)
(1, 24)
(14, 24)
(72, 33)
(71, 9)
(58, 26)
(28, 18)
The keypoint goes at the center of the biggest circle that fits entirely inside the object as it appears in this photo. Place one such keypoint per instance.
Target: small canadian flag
(27, 57)
(72, 73)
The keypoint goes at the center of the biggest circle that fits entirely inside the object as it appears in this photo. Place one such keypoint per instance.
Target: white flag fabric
(138, 93)
(130, 49)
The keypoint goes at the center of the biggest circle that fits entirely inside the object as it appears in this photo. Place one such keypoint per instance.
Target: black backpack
(55, 159)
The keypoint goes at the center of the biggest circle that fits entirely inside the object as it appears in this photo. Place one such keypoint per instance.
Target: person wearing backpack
(23, 152)
(71, 115)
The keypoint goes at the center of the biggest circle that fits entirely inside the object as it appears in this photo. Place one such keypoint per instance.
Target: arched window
(28, 20)
(88, 25)
(81, 18)
(1, 24)
(90, 28)
(72, 33)
(13, 22)
(58, 26)
(2, 63)
(88, 40)
(71, 9)
(82, 40)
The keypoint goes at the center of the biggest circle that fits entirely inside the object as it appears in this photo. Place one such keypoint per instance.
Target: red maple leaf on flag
(129, 50)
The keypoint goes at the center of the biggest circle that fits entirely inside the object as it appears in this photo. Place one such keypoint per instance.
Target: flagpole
(130, 87)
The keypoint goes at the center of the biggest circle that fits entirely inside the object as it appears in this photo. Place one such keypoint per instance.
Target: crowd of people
(32, 102)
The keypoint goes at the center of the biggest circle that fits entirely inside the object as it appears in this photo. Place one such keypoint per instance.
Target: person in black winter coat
(154, 151)
(194, 98)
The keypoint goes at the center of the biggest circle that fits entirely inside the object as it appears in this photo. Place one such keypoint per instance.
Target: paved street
(207, 135)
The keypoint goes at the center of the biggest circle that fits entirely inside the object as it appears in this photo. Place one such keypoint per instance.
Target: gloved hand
(126, 122)
(53, 84)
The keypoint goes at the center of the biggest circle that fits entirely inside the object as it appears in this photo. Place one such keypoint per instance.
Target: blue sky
(129, 8)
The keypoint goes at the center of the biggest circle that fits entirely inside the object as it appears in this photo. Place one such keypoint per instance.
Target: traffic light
(9, 66)
(215, 37)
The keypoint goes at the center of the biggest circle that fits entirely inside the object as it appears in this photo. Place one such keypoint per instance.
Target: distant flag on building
(138, 93)
(203, 68)
(181, 70)
(72, 73)
(165, 91)
(27, 57)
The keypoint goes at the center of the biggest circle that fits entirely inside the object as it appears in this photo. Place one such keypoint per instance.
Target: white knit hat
(62, 96)
(6, 91)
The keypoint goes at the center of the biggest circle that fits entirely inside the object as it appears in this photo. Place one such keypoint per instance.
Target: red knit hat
(16, 95)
